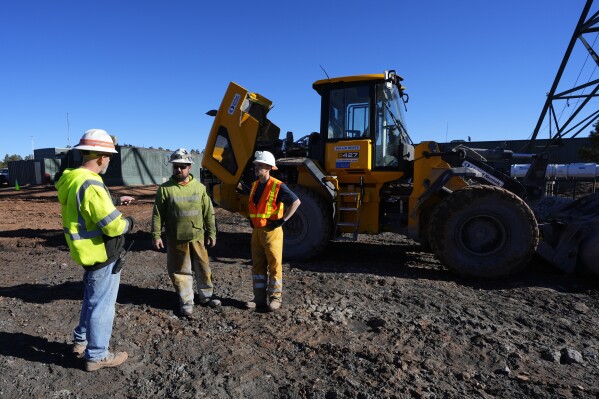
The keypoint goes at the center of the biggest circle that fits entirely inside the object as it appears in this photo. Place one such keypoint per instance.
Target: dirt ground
(377, 318)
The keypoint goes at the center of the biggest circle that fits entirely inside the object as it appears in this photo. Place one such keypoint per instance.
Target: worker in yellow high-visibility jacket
(94, 230)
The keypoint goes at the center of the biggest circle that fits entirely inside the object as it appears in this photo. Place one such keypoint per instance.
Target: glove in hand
(273, 224)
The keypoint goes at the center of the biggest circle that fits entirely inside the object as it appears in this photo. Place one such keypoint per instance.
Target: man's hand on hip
(273, 224)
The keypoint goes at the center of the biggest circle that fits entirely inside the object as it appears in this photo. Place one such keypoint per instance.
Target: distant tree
(591, 154)
(28, 157)
(8, 158)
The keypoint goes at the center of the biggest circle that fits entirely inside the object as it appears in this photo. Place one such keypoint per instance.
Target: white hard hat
(96, 140)
(265, 157)
(181, 156)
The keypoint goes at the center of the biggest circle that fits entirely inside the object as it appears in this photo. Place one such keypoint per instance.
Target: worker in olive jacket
(182, 207)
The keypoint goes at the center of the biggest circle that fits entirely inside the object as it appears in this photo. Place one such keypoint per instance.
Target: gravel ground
(376, 318)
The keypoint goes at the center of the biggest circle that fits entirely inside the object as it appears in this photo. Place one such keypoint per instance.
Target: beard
(179, 177)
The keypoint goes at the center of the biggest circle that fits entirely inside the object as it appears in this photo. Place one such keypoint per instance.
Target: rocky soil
(377, 318)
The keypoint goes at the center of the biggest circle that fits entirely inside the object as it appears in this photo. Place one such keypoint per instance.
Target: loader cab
(362, 124)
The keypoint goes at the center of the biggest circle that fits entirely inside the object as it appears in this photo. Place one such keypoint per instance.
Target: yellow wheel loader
(361, 173)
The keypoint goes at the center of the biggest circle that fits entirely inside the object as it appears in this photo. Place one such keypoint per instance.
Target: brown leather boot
(254, 304)
(112, 360)
(186, 311)
(78, 350)
(259, 300)
(274, 304)
(213, 302)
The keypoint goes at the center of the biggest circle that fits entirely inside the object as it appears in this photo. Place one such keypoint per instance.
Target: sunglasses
(182, 167)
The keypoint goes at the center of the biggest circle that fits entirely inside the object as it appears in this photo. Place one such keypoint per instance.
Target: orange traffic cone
(17, 187)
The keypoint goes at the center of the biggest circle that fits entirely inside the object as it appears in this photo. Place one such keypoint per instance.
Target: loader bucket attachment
(571, 236)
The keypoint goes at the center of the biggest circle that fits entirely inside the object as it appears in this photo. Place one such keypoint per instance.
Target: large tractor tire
(308, 231)
(589, 253)
(483, 232)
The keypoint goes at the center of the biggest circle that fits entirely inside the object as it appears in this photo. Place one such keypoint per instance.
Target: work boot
(186, 311)
(254, 304)
(213, 302)
(274, 304)
(259, 300)
(78, 349)
(112, 360)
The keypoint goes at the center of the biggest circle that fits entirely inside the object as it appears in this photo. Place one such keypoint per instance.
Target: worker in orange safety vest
(271, 204)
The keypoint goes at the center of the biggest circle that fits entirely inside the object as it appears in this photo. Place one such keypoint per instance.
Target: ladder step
(348, 209)
(347, 224)
(348, 193)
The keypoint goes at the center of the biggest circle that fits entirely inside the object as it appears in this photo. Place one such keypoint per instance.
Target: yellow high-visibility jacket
(89, 218)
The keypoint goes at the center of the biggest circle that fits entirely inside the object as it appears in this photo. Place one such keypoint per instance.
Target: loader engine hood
(239, 126)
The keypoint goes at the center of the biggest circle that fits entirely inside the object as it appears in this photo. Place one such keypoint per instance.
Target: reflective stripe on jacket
(185, 211)
(267, 207)
(88, 213)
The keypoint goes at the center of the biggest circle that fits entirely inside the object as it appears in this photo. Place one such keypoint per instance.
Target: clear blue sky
(147, 71)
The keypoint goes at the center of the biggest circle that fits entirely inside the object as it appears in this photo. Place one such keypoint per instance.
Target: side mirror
(212, 112)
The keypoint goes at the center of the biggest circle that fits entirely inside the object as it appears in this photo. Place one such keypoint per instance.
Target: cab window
(349, 111)
(223, 151)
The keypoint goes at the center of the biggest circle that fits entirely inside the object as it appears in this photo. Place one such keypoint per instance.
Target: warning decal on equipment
(485, 175)
(234, 104)
(344, 164)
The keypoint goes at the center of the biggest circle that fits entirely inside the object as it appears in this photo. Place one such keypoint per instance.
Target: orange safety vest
(267, 208)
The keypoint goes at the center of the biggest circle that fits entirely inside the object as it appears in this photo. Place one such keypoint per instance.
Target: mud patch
(378, 318)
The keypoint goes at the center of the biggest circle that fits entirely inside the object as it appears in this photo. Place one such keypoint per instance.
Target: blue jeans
(97, 311)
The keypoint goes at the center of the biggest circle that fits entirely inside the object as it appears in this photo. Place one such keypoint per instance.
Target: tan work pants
(183, 258)
(267, 263)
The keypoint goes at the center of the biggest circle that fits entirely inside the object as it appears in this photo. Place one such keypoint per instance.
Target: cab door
(348, 142)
